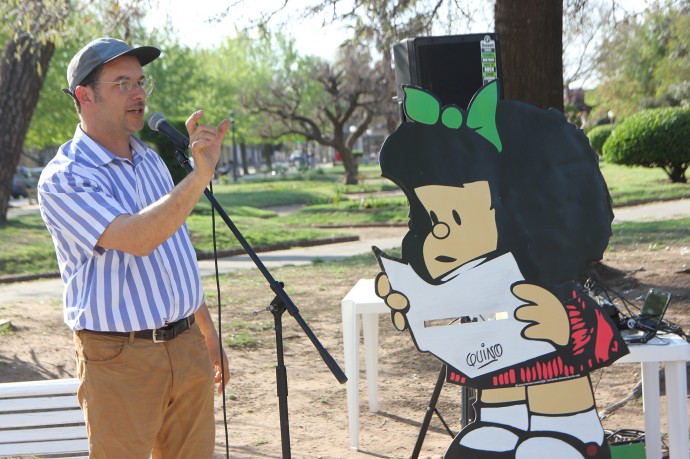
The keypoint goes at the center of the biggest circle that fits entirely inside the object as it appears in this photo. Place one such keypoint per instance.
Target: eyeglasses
(126, 85)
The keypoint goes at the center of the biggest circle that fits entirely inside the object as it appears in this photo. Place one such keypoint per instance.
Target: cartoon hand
(548, 317)
(398, 302)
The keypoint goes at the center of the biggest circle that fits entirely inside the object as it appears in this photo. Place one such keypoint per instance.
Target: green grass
(26, 247)
(257, 232)
(352, 212)
(269, 193)
(284, 192)
(241, 335)
(631, 185)
(651, 234)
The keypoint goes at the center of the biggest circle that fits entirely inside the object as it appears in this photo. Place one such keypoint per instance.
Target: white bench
(42, 418)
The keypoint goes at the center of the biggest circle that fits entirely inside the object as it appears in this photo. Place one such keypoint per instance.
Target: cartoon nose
(440, 230)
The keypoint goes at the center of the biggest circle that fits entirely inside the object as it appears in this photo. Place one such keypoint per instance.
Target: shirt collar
(97, 155)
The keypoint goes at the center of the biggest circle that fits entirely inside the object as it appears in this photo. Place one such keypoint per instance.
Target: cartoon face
(464, 225)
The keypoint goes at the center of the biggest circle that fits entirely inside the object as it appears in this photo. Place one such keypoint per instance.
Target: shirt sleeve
(78, 207)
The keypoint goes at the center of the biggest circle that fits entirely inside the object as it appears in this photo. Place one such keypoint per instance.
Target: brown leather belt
(158, 335)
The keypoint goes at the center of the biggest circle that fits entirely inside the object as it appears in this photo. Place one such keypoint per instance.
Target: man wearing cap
(147, 349)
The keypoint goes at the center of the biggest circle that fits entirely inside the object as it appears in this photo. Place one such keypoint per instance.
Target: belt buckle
(155, 337)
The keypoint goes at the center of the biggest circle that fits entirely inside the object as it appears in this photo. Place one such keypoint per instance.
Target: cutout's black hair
(553, 209)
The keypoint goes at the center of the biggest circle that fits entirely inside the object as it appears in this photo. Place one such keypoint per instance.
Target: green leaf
(481, 115)
(421, 106)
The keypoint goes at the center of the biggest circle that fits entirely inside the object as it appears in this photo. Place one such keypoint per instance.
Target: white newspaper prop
(476, 290)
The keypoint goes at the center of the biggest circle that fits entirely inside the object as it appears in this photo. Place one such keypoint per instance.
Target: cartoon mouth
(464, 320)
(445, 259)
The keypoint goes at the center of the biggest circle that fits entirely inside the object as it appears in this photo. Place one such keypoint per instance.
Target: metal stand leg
(467, 414)
(430, 410)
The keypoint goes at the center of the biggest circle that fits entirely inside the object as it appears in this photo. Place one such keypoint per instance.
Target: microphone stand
(280, 303)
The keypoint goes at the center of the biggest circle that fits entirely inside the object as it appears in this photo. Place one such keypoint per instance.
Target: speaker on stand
(453, 67)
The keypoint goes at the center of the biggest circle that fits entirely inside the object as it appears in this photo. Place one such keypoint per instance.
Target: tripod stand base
(467, 415)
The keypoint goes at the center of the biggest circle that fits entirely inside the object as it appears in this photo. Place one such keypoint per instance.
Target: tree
(319, 101)
(30, 29)
(33, 32)
(585, 24)
(646, 61)
(531, 35)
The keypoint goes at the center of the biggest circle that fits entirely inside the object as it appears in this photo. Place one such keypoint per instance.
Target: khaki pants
(141, 398)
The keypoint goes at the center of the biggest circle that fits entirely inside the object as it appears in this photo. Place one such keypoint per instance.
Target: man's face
(121, 113)
(464, 225)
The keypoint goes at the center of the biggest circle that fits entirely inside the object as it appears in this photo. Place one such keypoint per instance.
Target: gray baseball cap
(99, 52)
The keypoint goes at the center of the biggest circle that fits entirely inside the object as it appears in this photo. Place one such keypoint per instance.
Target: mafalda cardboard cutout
(507, 207)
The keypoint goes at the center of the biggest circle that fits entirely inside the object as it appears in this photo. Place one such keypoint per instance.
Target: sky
(195, 29)
(311, 38)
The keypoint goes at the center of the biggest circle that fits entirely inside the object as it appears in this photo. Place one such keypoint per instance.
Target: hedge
(598, 135)
(653, 138)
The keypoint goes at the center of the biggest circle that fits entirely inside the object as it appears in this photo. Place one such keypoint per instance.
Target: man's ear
(83, 95)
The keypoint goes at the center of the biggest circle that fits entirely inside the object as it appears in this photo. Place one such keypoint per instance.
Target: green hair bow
(423, 107)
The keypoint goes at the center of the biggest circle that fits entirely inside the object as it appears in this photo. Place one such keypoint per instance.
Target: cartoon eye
(456, 217)
(434, 218)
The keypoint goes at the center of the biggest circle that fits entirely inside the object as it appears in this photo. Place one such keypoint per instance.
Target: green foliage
(598, 135)
(54, 120)
(646, 61)
(165, 148)
(672, 72)
(653, 138)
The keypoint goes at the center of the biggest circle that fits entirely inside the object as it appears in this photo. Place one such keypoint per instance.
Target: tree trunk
(676, 172)
(530, 35)
(267, 155)
(243, 155)
(21, 81)
(351, 168)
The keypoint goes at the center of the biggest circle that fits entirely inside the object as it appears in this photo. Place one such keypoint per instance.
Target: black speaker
(453, 67)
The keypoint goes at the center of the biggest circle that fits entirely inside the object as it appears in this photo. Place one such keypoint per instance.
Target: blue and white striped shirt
(80, 193)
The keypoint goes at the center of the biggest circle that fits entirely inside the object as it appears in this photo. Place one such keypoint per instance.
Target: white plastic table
(361, 301)
(674, 352)
(671, 350)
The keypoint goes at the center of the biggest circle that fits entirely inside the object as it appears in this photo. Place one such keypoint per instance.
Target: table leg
(677, 408)
(351, 350)
(652, 409)
(370, 325)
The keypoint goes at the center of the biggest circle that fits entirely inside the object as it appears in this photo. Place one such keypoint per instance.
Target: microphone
(158, 123)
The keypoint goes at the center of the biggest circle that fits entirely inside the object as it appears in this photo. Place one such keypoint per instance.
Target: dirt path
(40, 347)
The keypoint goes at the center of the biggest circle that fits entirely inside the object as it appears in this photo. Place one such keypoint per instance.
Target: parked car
(19, 186)
(32, 175)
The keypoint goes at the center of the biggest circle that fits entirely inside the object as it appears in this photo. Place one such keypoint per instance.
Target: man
(133, 292)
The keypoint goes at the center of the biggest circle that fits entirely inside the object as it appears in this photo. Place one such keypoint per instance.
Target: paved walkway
(654, 211)
(51, 289)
